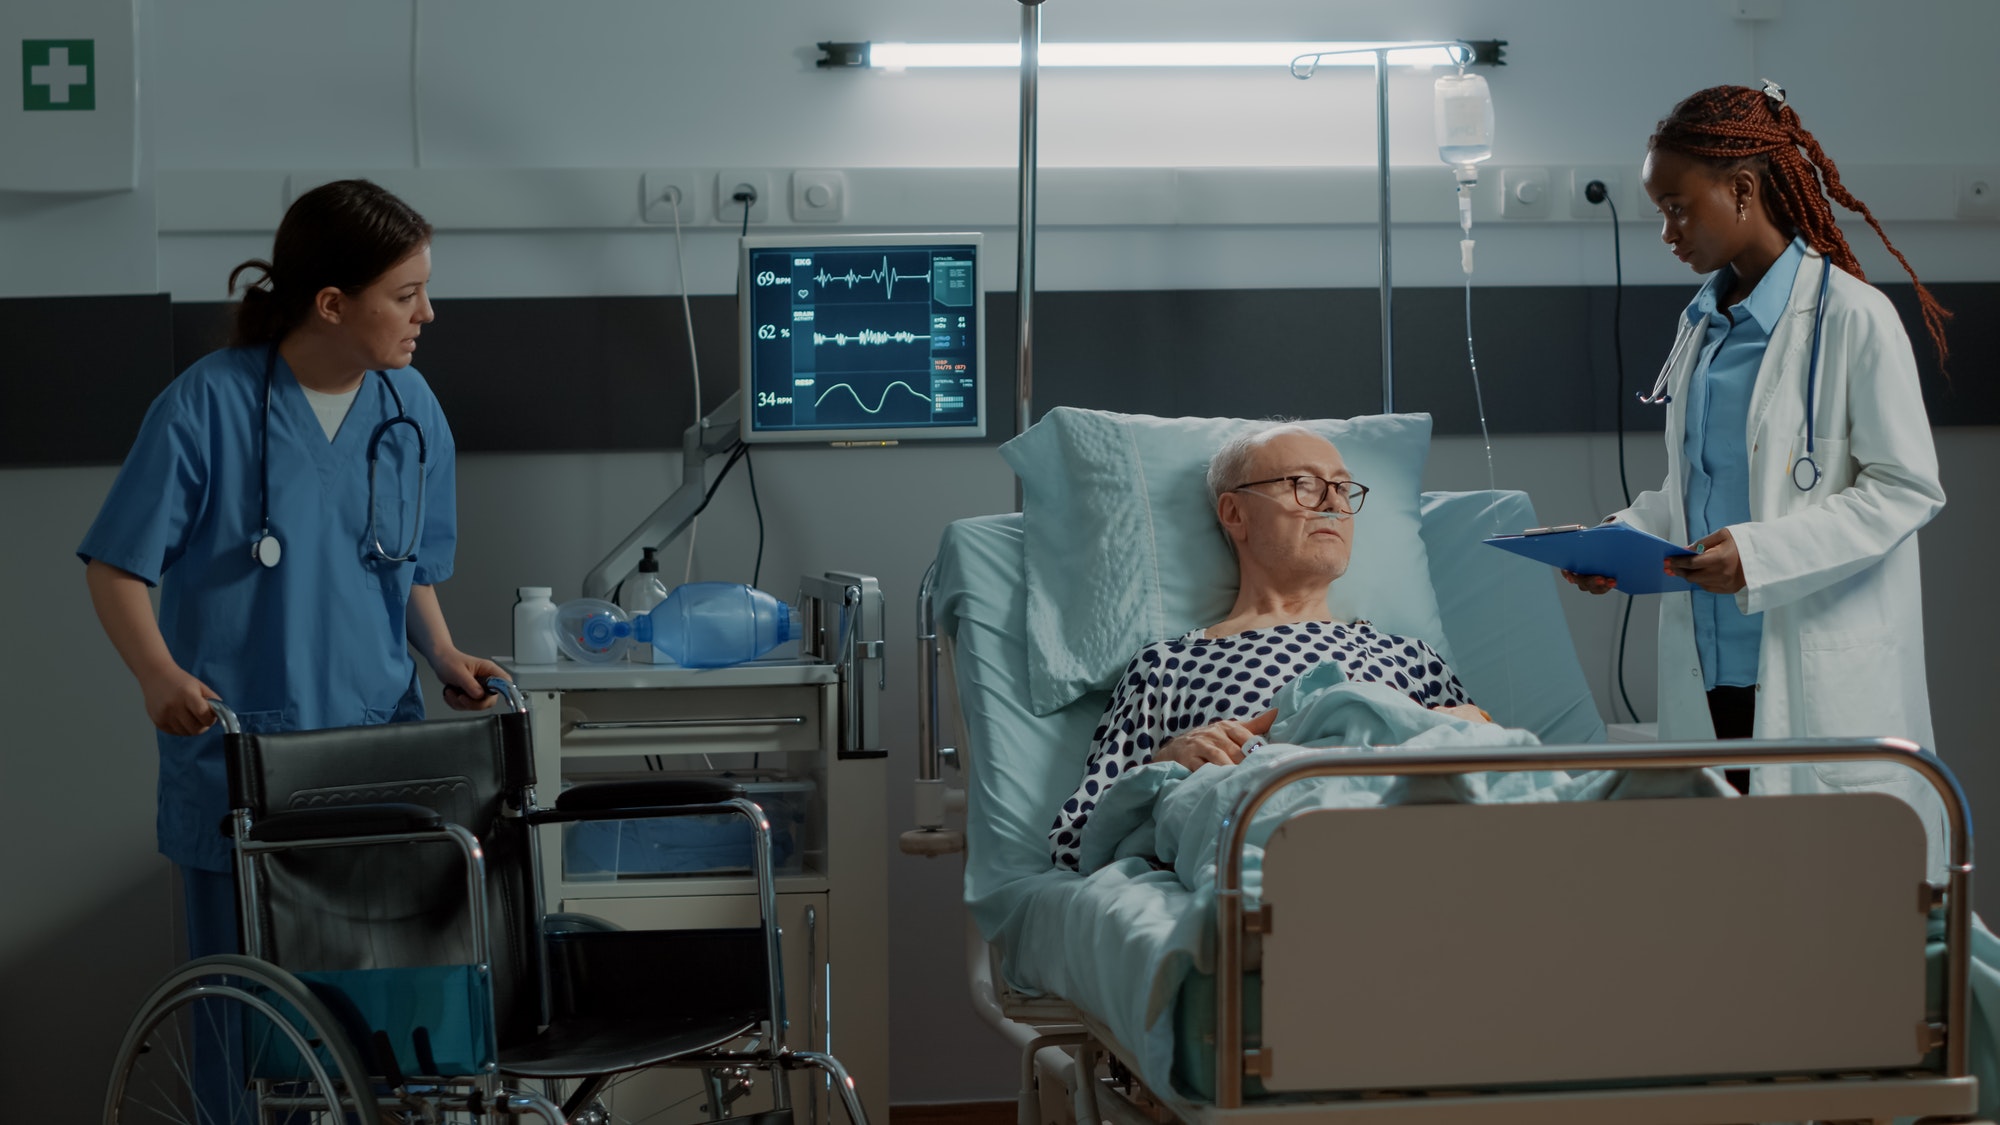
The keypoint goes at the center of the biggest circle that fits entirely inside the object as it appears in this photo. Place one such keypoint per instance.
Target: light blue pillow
(1504, 619)
(1123, 548)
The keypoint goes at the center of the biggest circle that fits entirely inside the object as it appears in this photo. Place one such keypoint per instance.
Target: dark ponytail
(342, 235)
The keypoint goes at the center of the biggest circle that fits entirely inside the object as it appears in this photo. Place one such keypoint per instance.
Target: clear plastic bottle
(534, 626)
(638, 595)
(1462, 111)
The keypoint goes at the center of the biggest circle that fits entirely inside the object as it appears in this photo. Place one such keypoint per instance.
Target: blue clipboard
(1614, 550)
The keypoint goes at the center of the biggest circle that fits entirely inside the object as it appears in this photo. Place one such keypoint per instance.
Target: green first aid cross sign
(58, 74)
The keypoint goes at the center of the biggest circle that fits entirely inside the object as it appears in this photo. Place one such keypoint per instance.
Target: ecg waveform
(887, 276)
(882, 402)
(867, 336)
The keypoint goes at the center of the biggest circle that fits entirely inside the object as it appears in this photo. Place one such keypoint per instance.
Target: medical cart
(801, 736)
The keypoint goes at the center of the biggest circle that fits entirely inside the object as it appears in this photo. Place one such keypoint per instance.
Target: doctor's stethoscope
(266, 549)
(1805, 470)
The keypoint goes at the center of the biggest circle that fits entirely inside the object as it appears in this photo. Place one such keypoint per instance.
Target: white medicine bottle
(534, 625)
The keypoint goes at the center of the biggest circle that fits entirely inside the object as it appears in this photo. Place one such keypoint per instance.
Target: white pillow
(1123, 548)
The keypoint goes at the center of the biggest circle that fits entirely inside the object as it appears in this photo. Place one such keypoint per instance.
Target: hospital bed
(1688, 960)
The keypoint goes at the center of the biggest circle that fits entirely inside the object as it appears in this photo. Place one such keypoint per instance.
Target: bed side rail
(933, 800)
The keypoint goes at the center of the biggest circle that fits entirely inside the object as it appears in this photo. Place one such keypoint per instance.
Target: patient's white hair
(1226, 469)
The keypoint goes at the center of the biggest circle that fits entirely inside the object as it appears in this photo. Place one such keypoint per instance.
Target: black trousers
(1734, 711)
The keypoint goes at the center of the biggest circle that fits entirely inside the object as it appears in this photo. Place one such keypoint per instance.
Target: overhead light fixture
(910, 56)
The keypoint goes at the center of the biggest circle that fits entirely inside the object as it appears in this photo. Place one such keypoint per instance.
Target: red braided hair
(1732, 127)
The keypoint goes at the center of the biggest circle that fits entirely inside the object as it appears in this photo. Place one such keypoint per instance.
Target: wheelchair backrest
(405, 904)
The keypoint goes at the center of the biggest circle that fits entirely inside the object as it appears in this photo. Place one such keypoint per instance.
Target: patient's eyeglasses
(1311, 491)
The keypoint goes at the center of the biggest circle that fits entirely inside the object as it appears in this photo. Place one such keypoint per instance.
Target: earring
(1741, 214)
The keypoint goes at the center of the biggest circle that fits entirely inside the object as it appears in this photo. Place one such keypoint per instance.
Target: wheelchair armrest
(343, 821)
(597, 796)
(619, 800)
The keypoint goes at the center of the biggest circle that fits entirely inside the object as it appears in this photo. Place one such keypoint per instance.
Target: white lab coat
(1834, 570)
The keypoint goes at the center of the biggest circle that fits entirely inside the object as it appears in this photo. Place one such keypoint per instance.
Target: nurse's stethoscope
(265, 547)
(1805, 470)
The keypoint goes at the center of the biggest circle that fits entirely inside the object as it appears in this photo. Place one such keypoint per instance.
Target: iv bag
(1463, 115)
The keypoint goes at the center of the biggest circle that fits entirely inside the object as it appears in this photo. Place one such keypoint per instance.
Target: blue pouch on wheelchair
(438, 1019)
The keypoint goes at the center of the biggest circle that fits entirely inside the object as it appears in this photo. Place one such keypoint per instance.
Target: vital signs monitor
(862, 337)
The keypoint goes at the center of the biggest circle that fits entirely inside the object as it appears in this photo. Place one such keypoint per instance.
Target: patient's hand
(1467, 712)
(1222, 744)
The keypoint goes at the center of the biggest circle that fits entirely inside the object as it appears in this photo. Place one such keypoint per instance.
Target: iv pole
(1303, 68)
(1024, 269)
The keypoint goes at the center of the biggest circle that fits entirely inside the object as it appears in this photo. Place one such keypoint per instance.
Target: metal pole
(1382, 188)
(1024, 277)
(928, 766)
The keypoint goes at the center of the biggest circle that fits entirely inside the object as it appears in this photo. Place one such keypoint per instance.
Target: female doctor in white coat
(1799, 457)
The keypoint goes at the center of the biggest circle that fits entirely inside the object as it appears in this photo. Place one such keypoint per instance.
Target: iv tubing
(1478, 397)
(694, 361)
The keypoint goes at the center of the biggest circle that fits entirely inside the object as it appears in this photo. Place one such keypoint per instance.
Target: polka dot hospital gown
(1177, 685)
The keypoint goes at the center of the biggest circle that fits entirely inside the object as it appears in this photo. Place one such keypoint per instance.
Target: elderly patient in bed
(1289, 507)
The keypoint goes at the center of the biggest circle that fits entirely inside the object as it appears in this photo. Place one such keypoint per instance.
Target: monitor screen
(862, 338)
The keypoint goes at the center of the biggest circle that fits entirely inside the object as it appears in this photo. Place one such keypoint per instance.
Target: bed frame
(1648, 962)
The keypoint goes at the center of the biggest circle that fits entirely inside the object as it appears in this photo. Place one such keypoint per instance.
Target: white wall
(260, 85)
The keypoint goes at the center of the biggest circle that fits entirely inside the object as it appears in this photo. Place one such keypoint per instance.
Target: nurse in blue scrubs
(289, 588)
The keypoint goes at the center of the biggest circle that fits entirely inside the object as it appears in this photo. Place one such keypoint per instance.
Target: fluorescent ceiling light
(899, 56)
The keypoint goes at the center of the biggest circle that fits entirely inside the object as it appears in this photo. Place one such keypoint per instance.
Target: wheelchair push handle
(231, 724)
(503, 687)
(226, 715)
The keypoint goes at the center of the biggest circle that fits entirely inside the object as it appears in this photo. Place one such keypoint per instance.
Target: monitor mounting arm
(718, 432)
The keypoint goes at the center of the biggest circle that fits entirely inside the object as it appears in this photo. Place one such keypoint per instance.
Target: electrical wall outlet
(1581, 207)
(1979, 193)
(1524, 193)
(660, 191)
(819, 197)
(730, 182)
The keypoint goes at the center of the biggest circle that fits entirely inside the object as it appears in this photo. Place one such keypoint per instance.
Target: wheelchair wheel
(234, 1039)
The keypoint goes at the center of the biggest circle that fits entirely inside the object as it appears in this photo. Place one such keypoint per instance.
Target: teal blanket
(1121, 942)
(1164, 812)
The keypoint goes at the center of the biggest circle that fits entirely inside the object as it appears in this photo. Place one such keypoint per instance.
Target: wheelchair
(399, 964)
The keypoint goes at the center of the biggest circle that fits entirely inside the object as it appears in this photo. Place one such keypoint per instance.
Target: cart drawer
(730, 720)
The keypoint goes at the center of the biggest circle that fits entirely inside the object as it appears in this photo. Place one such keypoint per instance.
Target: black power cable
(750, 467)
(736, 453)
(1595, 192)
(739, 452)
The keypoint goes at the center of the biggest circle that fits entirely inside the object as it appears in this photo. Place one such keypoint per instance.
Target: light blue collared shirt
(1717, 449)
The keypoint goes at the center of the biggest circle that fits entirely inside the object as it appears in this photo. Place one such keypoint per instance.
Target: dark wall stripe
(77, 374)
(611, 373)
